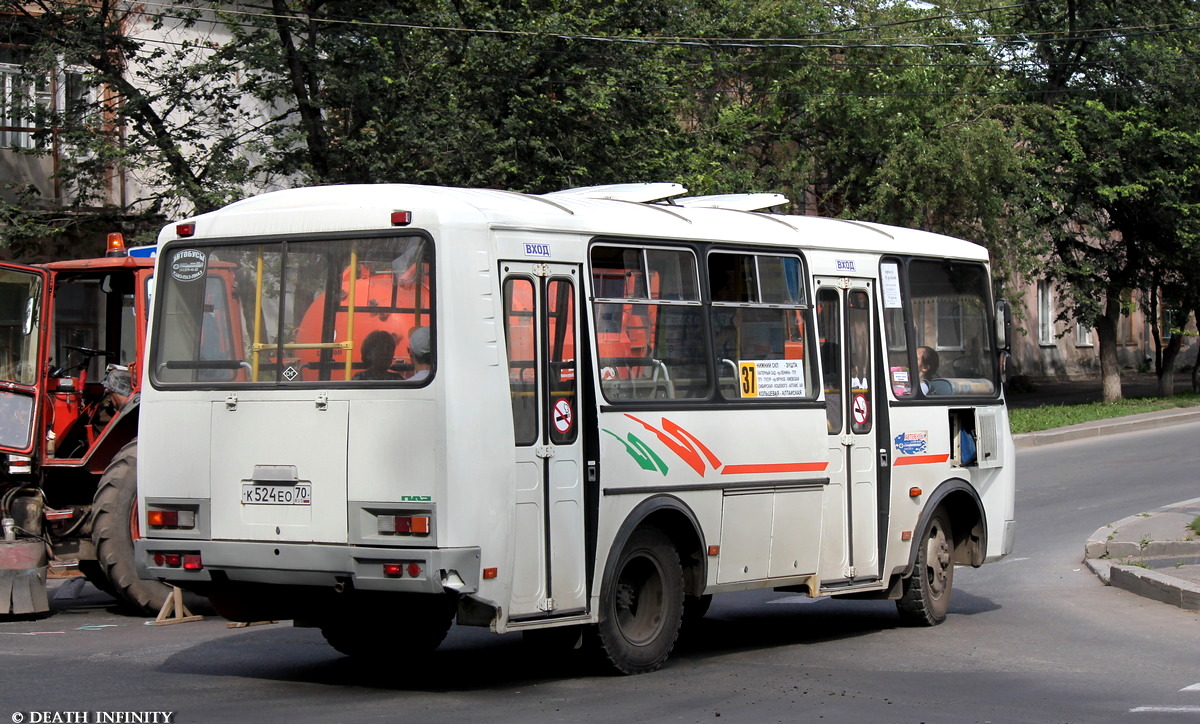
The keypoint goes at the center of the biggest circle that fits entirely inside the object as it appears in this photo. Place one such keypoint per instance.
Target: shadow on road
(474, 659)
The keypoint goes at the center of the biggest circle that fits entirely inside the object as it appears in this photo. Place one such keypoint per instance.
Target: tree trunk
(1166, 373)
(1106, 331)
(1196, 362)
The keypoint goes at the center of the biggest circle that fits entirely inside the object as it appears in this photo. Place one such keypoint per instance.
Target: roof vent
(638, 193)
(735, 202)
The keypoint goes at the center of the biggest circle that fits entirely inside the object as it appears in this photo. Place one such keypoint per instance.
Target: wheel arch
(674, 518)
(967, 522)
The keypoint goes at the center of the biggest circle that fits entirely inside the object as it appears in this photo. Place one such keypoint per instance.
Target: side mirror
(1003, 325)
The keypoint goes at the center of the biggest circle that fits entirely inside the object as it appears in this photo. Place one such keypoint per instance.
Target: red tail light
(404, 524)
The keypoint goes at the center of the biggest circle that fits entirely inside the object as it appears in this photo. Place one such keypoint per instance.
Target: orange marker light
(714, 550)
(489, 573)
(116, 244)
(906, 535)
(914, 492)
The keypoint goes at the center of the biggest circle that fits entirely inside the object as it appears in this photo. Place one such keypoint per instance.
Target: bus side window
(521, 344)
(830, 325)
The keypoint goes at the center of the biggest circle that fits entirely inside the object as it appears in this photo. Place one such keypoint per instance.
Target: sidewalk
(1153, 554)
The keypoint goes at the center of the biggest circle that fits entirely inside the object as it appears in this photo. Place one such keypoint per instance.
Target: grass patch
(1194, 526)
(1051, 416)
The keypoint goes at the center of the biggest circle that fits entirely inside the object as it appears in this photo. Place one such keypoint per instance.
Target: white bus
(377, 409)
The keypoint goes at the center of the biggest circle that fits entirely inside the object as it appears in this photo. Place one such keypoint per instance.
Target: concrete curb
(1110, 557)
(1131, 423)
(1110, 550)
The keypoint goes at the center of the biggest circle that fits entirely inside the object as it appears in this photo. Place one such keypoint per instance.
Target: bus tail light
(404, 524)
(397, 570)
(186, 561)
(159, 518)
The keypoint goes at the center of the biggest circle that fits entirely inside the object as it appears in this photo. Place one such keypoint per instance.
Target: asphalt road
(1035, 638)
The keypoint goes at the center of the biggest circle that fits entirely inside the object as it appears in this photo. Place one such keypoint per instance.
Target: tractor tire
(114, 528)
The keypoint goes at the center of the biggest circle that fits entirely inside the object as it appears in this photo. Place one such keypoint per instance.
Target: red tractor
(71, 338)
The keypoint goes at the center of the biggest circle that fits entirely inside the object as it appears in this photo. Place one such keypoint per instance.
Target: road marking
(1170, 709)
(1165, 710)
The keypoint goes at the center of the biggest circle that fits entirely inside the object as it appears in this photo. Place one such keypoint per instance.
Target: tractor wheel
(94, 573)
(114, 528)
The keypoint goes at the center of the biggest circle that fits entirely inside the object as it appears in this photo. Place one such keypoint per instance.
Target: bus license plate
(276, 494)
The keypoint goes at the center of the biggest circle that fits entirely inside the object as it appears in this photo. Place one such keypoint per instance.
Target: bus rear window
(287, 313)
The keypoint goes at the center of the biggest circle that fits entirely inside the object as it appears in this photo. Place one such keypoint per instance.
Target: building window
(1045, 312)
(1083, 335)
(14, 98)
(28, 105)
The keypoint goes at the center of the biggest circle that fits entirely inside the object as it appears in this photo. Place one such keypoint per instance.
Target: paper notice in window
(772, 378)
(889, 275)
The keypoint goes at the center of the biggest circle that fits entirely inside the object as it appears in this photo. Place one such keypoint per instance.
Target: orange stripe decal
(761, 468)
(921, 459)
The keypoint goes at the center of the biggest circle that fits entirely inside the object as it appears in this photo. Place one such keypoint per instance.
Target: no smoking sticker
(563, 416)
(860, 409)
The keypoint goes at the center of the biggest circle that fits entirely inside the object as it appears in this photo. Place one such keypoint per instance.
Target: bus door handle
(883, 457)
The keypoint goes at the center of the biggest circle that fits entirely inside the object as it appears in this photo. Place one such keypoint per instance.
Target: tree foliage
(1060, 134)
(1118, 163)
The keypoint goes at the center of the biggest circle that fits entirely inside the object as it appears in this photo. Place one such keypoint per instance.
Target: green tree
(165, 111)
(527, 96)
(888, 111)
(1117, 173)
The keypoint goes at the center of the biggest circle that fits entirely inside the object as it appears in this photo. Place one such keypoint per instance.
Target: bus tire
(379, 626)
(641, 610)
(926, 593)
(114, 521)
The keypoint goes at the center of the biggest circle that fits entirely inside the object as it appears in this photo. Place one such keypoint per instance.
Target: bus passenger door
(541, 334)
(850, 544)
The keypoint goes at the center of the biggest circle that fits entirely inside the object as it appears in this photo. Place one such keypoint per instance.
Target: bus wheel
(378, 626)
(114, 528)
(926, 598)
(642, 608)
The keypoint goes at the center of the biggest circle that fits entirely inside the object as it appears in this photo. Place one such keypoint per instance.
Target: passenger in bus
(419, 352)
(378, 353)
(927, 366)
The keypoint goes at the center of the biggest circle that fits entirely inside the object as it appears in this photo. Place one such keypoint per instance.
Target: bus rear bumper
(407, 570)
